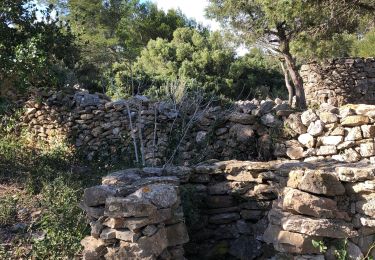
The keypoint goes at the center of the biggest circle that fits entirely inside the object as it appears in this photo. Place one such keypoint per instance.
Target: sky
(191, 8)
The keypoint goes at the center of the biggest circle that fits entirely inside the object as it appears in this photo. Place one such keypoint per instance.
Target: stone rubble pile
(327, 203)
(344, 134)
(135, 215)
(156, 131)
(340, 81)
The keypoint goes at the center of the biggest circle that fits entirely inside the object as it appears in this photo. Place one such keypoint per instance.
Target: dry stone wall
(155, 133)
(344, 134)
(233, 210)
(340, 81)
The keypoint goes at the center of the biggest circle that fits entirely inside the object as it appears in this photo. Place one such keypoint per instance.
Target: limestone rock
(295, 153)
(94, 245)
(266, 107)
(368, 131)
(201, 137)
(356, 173)
(294, 125)
(308, 117)
(327, 150)
(351, 155)
(242, 133)
(97, 195)
(366, 207)
(289, 242)
(318, 227)
(328, 117)
(353, 134)
(270, 120)
(367, 149)
(332, 140)
(304, 203)
(307, 140)
(339, 130)
(316, 128)
(127, 235)
(128, 207)
(317, 182)
(160, 195)
(355, 120)
(123, 177)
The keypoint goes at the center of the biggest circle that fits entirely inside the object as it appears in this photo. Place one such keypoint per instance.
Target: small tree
(275, 24)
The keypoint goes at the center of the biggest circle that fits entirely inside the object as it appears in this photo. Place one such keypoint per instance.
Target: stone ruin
(311, 181)
(159, 132)
(340, 81)
(233, 210)
(321, 189)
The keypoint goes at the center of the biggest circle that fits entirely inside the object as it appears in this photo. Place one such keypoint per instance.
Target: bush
(8, 210)
(63, 223)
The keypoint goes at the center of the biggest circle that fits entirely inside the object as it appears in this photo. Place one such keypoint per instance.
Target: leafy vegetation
(49, 180)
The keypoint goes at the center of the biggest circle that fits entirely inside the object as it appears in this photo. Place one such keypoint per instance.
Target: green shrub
(62, 222)
(8, 210)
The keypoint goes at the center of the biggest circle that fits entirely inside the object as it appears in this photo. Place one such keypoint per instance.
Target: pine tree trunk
(296, 79)
(287, 84)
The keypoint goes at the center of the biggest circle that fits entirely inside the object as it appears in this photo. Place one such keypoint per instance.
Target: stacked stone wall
(340, 81)
(155, 133)
(235, 210)
(344, 134)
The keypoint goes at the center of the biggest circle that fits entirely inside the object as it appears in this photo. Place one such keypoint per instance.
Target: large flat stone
(307, 204)
(316, 182)
(128, 207)
(289, 242)
(318, 227)
(355, 120)
(96, 195)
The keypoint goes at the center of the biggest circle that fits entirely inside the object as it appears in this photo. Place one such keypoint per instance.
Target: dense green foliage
(313, 26)
(33, 52)
(200, 60)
